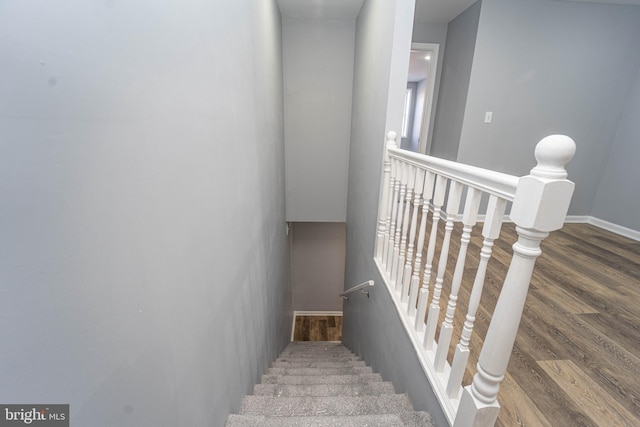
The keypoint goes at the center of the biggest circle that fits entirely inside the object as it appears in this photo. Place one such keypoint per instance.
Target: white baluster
(398, 237)
(395, 173)
(415, 278)
(453, 203)
(411, 180)
(388, 235)
(469, 219)
(423, 298)
(406, 276)
(540, 205)
(490, 232)
(384, 212)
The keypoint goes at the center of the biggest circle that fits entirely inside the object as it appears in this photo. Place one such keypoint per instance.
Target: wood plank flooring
(318, 328)
(576, 360)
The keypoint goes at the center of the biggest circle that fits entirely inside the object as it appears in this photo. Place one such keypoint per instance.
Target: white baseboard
(316, 313)
(578, 219)
(615, 228)
(605, 225)
(310, 313)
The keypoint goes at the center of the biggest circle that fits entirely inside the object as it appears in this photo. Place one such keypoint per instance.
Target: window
(407, 113)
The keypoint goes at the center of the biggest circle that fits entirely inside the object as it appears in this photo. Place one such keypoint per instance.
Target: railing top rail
(361, 286)
(497, 183)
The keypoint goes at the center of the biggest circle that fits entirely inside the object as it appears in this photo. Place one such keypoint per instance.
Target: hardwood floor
(318, 328)
(576, 360)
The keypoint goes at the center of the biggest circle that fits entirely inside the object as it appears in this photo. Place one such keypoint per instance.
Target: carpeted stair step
(318, 364)
(314, 356)
(318, 359)
(384, 420)
(321, 379)
(405, 419)
(417, 419)
(325, 385)
(321, 349)
(318, 355)
(325, 406)
(299, 390)
(356, 370)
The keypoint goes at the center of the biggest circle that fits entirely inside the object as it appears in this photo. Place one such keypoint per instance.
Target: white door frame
(434, 48)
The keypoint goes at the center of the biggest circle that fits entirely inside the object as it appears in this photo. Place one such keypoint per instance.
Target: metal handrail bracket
(362, 287)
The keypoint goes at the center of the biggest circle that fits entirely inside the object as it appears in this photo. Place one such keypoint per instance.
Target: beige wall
(317, 265)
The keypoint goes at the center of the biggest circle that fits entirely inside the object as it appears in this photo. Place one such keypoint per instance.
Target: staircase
(322, 384)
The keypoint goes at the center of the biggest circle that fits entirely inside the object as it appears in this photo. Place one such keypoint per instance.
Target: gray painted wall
(432, 33)
(371, 326)
(618, 197)
(317, 265)
(547, 67)
(456, 71)
(318, 80)
(144, 263)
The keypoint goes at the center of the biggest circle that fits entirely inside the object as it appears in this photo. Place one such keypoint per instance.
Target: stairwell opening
(318, 251)
(317, 327)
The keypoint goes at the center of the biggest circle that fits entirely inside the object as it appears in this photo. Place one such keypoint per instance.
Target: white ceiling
(440, 11)
(433, 11)
(430, 11)
(323, 9)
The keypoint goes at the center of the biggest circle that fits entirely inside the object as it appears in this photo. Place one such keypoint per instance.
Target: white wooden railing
(416, 186)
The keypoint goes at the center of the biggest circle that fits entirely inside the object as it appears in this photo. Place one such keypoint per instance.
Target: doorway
(419, 98)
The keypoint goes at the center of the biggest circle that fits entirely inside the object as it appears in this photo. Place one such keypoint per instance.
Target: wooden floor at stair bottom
(318, 328)
(576, 360)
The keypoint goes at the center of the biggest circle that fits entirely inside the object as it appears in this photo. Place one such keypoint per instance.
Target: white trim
(311, 313)
(605, 225)
(571, 219)
(615, 228)
(434, 48)
(576, 219)
(406, 113)
(317, 313)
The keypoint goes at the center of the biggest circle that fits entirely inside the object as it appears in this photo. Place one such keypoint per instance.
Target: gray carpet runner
(322, 384)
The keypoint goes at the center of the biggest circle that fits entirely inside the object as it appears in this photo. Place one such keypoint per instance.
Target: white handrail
(361, 287)
(498, 183)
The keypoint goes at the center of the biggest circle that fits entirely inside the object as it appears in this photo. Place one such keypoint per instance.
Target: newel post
(384, 210)
(540, 206)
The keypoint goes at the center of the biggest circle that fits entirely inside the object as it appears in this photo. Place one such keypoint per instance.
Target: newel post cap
(553, 153)
(392, 137)
(542, 198)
